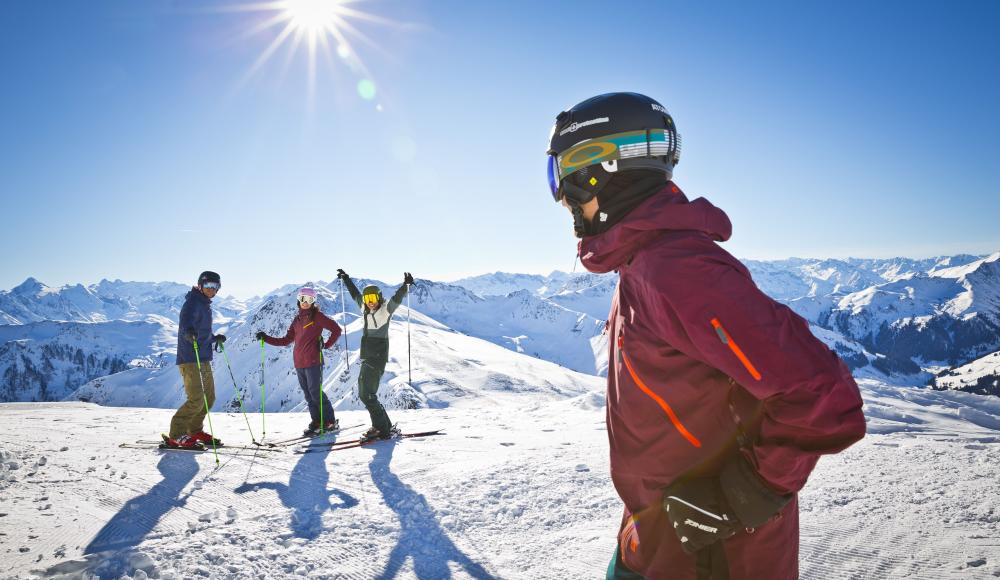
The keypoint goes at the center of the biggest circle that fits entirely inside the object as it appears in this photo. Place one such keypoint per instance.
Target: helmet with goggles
(306, 295)
(605, 135)
(209, 280)
(371, 295)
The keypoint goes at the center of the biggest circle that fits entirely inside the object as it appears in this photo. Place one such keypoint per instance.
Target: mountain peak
(29, 286)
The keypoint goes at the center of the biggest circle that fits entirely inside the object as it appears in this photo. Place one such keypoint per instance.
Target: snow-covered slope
(981, 376)
(521, 321)
(518, 473)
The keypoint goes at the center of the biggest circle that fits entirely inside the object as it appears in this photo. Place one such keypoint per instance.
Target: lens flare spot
(366, 89)
(343, 52)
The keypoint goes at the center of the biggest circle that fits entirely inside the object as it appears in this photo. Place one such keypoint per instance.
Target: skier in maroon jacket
(720, 400)
(306, 331)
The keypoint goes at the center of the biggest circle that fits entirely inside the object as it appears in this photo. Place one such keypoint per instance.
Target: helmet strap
(579, 223)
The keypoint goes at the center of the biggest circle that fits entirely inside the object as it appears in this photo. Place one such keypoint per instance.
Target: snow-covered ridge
(981, 376)
(33, 301)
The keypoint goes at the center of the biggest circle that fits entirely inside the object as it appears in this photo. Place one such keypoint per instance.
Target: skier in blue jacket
(187, 425)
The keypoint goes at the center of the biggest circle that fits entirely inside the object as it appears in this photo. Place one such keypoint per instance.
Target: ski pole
(204, 397)
(343, 309)
(409, 350)
(321, 362)
(239, 397)
(263, 430)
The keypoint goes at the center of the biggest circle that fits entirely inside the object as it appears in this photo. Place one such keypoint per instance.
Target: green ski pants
(191, 416)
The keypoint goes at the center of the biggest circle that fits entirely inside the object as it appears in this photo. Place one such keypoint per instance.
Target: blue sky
(136, 145)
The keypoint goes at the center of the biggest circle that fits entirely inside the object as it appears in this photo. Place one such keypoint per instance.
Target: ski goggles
(371, 299)
(553, 174)
(306, 299)
(211, 285)
(625, 145)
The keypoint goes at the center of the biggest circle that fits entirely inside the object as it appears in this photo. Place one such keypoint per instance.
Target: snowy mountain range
(898, 319)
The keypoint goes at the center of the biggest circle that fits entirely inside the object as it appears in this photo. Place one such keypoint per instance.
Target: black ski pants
(368, 380)
(311, 382)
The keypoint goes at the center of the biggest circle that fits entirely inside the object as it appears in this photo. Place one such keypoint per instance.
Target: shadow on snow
(110, 554)
(306, 494)
(421, 537)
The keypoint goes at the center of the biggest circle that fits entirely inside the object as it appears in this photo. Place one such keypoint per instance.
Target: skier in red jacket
(306, 331)
(720, 400)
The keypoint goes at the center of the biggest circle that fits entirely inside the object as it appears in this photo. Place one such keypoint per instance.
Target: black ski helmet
(208, 276)
(607, 134)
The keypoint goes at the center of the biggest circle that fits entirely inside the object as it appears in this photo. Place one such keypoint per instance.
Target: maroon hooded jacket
(697, 354)
(306, 331)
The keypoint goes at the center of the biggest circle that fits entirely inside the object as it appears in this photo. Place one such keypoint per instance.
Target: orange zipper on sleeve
(728, 341)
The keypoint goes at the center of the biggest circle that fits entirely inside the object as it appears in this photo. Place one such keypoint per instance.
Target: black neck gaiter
(621, 195)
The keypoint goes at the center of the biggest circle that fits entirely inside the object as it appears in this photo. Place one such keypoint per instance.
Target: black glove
(752, 501)
(260, 335)
(699, 513)
(407, 278)
(342, 274)
(220, 338)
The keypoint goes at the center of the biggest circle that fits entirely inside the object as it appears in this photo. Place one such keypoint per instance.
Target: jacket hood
(667, 210)
(197, 295)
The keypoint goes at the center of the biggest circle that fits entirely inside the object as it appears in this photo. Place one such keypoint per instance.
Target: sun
(324, 28)
(312, 16)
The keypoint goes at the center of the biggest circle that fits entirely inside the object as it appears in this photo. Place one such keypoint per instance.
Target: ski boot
(314, 431)
(206, 439)
(182, 442)
(370, 434)
(375, 433)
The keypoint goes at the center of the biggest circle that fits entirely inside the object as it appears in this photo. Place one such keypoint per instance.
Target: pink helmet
(310, 292)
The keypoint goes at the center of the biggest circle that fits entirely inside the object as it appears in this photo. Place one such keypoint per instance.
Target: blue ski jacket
(196, 319)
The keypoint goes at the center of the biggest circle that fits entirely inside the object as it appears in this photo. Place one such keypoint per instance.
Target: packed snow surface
(517, 487)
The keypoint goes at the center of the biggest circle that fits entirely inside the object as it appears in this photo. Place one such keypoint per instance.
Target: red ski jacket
(697, 353)
(306, 331)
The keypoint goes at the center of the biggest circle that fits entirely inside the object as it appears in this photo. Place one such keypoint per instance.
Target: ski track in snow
(516, 488)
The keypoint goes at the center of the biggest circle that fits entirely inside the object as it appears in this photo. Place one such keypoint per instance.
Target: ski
(340, 445)
(164, 447)
(394, 430)
(304, 438)
(207, 447)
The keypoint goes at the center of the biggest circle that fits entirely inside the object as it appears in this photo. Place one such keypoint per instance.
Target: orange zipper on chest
(659, 400)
